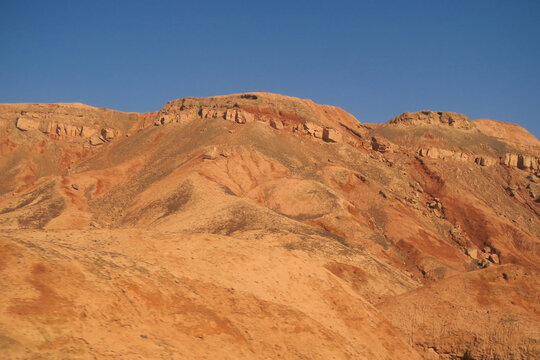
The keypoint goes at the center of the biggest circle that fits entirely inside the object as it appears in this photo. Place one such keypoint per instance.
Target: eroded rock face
(96, 140)
(379, 144)
(484, 161)
(26, 123)
(276, 124)
(73, 121)
(314, 130)
(456, 120)
(61, 129)
(510, 160)
(521, 161)
(331, 135)
(280, 113)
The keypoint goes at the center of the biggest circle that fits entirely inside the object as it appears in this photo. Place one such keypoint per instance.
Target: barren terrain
(261, 226)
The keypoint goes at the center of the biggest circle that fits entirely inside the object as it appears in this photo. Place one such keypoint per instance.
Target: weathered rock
(25, 123)
(494, 258)
(444, 154)
(472, 252)
(107, 134)
(211, 154)
(243, 117)
(234, 115)
(331, 135)
(68, 130)
(485, 263)
(47, 127)
(224, 153)
(379, 145)
(231, 114)
(96, 140)
(510, 160)
(525, 162)
(164, 119)
(434, 204)
(313, 130)
(452, 119)
(276, 124)
(484, 161)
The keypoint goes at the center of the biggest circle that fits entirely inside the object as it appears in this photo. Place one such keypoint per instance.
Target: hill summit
(263, 226)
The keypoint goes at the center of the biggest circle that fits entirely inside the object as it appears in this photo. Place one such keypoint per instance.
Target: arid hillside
(261, 226)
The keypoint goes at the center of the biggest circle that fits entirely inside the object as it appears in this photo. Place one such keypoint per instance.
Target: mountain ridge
(258, 225)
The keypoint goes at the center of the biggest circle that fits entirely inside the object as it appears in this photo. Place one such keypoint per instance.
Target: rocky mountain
(263, 226)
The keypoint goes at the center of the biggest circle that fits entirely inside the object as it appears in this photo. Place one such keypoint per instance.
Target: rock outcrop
(521, 161)
(485, 161)
(76, 122)
(379, 144)
(436, 153)
(283, 113)
(458, 121)
(26, 123)
(331, 135)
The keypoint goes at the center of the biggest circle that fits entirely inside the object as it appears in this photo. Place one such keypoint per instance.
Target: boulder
(494, 258)
(434, 204)
(107, 134)
(485, 263)
(276, 124)
(472, 252)
(484, 161)
(26, 123)
(96, 140)
(331, 135)
(433, 153)
(211, 154)
(313, 129)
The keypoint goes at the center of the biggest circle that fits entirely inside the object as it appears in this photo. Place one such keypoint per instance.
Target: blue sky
(375, 59)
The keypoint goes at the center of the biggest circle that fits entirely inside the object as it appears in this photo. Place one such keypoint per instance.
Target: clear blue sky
(375, 59)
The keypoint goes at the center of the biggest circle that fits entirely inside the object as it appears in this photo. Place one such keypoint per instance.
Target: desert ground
(261, 226)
